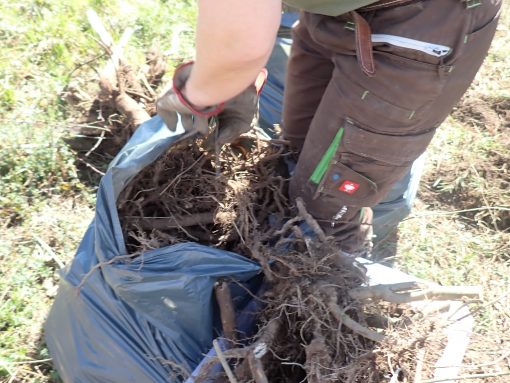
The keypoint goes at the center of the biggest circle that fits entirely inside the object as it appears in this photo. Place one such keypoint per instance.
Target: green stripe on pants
(323, 166)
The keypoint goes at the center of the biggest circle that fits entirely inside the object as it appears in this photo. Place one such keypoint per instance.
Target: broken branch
(172, 222)
(415, 291)
(351, 324)
(224, 363)
(227, 313)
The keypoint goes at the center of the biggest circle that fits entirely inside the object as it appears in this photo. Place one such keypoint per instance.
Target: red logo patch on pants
(349, 187)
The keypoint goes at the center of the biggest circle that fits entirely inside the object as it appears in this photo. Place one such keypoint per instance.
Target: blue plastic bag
(135, 320)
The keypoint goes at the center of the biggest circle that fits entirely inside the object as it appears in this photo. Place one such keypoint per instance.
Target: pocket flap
(395, 150)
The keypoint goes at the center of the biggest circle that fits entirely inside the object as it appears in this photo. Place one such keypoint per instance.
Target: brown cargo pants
(358, 132)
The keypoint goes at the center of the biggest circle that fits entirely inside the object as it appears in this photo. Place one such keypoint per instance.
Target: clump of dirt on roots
(310, 327)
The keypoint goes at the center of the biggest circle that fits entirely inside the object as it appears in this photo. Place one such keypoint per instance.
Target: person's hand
(235, 117)
(172, 105)
(238, 116)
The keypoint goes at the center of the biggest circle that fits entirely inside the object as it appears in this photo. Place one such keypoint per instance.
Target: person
(368, 83)
(396, 205)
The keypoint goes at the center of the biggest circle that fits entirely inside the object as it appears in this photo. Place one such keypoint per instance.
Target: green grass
(47, 47)
(31, 254)
(36, 164)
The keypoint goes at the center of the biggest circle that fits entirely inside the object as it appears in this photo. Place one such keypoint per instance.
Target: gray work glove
(238, 116)
(235, 117)
(171, 104)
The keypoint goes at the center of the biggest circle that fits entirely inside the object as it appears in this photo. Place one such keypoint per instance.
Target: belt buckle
(472, 3)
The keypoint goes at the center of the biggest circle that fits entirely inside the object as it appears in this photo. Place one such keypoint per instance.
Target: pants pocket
(366, 164)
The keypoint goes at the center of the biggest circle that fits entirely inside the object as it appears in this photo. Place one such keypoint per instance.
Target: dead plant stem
(488, 304)
(413, 291)
(227, 312)
(91, 166)
(351, 324)
(224, 363)
(96, 145)
(101, 264)
(310, 220)
(257, 369)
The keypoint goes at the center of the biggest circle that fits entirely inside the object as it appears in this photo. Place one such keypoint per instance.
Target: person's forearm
(234, 41)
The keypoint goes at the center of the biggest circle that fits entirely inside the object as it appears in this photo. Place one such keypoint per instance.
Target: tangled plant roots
(311, 328)
(323, 335)
(230, 201)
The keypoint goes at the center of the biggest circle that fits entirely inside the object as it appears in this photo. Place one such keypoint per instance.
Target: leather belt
(363, 32)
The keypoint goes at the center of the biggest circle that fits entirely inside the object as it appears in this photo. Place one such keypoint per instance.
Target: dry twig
(224, 363)
(420, 357)
(415, 291)
(351, 324)
(227, 313)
